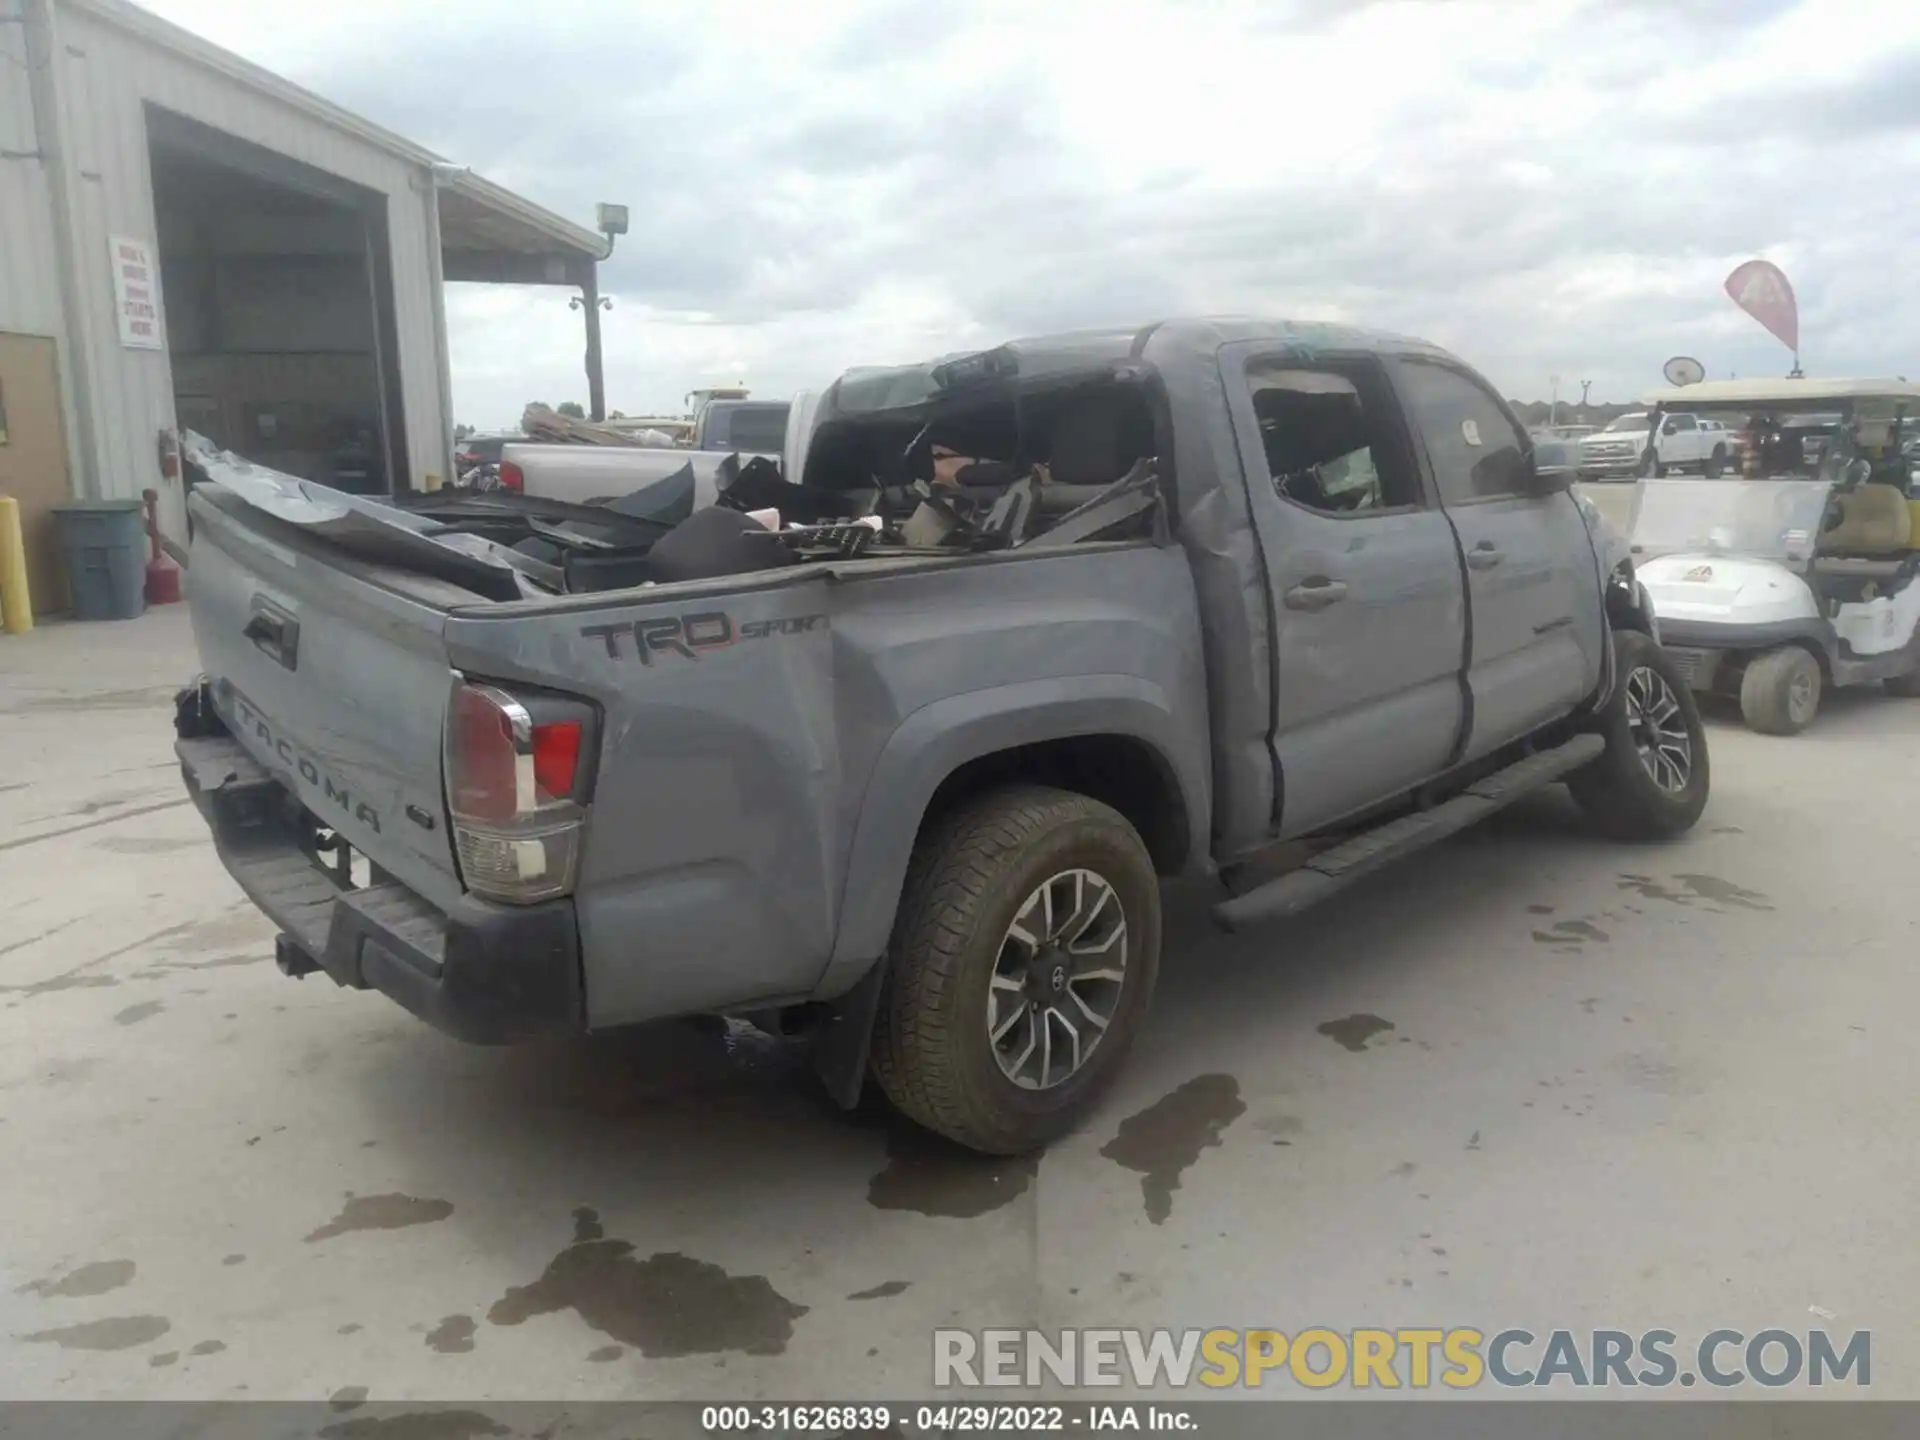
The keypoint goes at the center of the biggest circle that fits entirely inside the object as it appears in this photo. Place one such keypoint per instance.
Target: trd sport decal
(691, 636)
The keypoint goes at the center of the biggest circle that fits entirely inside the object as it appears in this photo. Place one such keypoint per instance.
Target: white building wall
(105, 77)
(29, 296)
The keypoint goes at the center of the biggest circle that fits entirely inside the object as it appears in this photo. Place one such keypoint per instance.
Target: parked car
(1195, 589)
(584, 474)
(1626, 447)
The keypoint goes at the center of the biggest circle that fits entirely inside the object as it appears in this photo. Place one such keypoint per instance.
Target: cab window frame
(1383, 414)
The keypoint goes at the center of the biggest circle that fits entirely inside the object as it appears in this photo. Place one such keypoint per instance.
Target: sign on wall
(136, 293)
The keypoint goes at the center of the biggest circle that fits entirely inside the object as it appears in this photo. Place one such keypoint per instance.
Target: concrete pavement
(1526, 1079)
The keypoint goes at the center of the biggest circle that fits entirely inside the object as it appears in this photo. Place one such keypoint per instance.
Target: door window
(1328, 438)
(1477, 453)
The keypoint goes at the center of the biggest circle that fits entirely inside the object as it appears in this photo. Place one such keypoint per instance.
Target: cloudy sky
(1550, 187)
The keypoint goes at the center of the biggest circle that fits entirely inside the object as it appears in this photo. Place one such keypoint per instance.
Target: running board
(1333, 870)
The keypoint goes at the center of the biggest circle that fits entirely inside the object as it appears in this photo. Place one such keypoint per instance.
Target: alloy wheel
(1659, 729)
(1058, 979)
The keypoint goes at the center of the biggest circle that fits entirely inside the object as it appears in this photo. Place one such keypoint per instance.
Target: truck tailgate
(334, 683)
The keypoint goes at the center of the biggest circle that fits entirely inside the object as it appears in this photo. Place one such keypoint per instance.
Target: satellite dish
(1684, 370)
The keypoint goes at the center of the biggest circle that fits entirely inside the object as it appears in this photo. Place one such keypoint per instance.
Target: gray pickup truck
(909, 788)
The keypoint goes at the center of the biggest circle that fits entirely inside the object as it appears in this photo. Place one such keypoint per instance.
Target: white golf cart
(1800, 574)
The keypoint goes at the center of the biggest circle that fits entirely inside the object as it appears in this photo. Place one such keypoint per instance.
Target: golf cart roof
(1781, 393)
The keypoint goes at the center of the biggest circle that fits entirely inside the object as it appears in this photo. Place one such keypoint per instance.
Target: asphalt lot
(1527, 1079)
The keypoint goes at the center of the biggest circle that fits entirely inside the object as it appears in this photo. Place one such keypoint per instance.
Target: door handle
(275, 634)
(1316, 593)
(1484, 556)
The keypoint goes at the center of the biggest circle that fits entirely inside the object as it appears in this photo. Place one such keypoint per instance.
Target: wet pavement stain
(1571, 932)
(1696, 888)
(452, 1336)
(232, 1259)
(931, 1176)
(347, 1397)
(1403, 1171)
(1724, 892)
(120, 1332)
(209, 1347)
(606, 1354)
(1165, 1139)
(94, 1279)
(1354, 1031)
(381, 1212)
(163, 1359)
(353, 1329)
(886, 1290)
(417, 1425)
(134, 1014)
(666, 1305)
(1539, 909)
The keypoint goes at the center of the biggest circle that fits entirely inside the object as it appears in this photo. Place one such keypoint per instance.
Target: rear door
(1368, 610)
(338, 685)
(1534, 611)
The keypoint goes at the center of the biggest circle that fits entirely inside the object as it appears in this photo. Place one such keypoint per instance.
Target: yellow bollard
(16, 601)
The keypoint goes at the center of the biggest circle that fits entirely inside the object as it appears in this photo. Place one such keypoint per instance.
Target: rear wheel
(1652, 780)
(1905, 686)
(1780, 691)
(1023, 959)
(1715, 464)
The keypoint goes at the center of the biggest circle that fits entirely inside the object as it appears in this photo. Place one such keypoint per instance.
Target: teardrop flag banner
(1761, 289)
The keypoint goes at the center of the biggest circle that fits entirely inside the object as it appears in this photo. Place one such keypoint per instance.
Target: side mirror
(1552, 468)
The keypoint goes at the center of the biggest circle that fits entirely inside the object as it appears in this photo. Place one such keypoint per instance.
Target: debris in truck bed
(542, 422)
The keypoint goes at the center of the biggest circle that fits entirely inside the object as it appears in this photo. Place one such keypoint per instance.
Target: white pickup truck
(586, 474)
(1618, 451)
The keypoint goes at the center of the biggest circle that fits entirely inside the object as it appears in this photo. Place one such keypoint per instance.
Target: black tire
(1715, 464)
(1619, 791)
(971, 872)
(1905, 687)
(1780, 691)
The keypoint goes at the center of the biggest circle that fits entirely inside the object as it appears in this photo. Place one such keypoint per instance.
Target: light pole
(1585, 385)
(1553, 409)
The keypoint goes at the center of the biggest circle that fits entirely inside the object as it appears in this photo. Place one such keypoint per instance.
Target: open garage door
(279, 308)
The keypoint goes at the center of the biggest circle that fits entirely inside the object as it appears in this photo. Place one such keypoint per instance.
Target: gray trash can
(105, 545)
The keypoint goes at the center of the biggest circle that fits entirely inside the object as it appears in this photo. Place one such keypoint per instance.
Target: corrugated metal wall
(106, 77)
(29, 296)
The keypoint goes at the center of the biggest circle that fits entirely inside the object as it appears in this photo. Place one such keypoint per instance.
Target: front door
(1533, 585)
(33, 459)
(1368, 610)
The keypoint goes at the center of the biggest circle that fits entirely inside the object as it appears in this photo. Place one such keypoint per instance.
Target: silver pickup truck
(905, 778)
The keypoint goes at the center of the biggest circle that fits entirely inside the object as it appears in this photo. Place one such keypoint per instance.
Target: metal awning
(492, 236)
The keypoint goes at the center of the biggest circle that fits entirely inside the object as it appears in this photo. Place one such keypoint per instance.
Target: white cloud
(1551, 187)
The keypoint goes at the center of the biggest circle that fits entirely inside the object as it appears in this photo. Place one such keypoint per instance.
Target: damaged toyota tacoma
(894, 754)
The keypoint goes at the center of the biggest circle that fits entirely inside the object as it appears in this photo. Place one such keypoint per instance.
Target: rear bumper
(484, 973)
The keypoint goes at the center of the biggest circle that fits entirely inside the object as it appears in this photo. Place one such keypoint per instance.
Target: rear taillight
(517, 773)
(512, 477)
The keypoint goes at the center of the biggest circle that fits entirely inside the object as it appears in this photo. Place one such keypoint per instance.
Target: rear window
(751, 427)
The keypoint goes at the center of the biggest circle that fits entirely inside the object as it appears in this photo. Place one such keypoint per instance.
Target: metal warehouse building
(188, 241)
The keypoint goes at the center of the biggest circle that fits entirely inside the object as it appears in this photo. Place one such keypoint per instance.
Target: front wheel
(1023, 959)
(1651, 781)
(1780, 691)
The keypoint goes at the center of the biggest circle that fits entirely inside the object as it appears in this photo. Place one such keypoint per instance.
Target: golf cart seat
(1875, 522)
(1872, 546)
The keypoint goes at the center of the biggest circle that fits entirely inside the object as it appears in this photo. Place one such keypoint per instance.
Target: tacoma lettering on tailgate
(251, 719)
